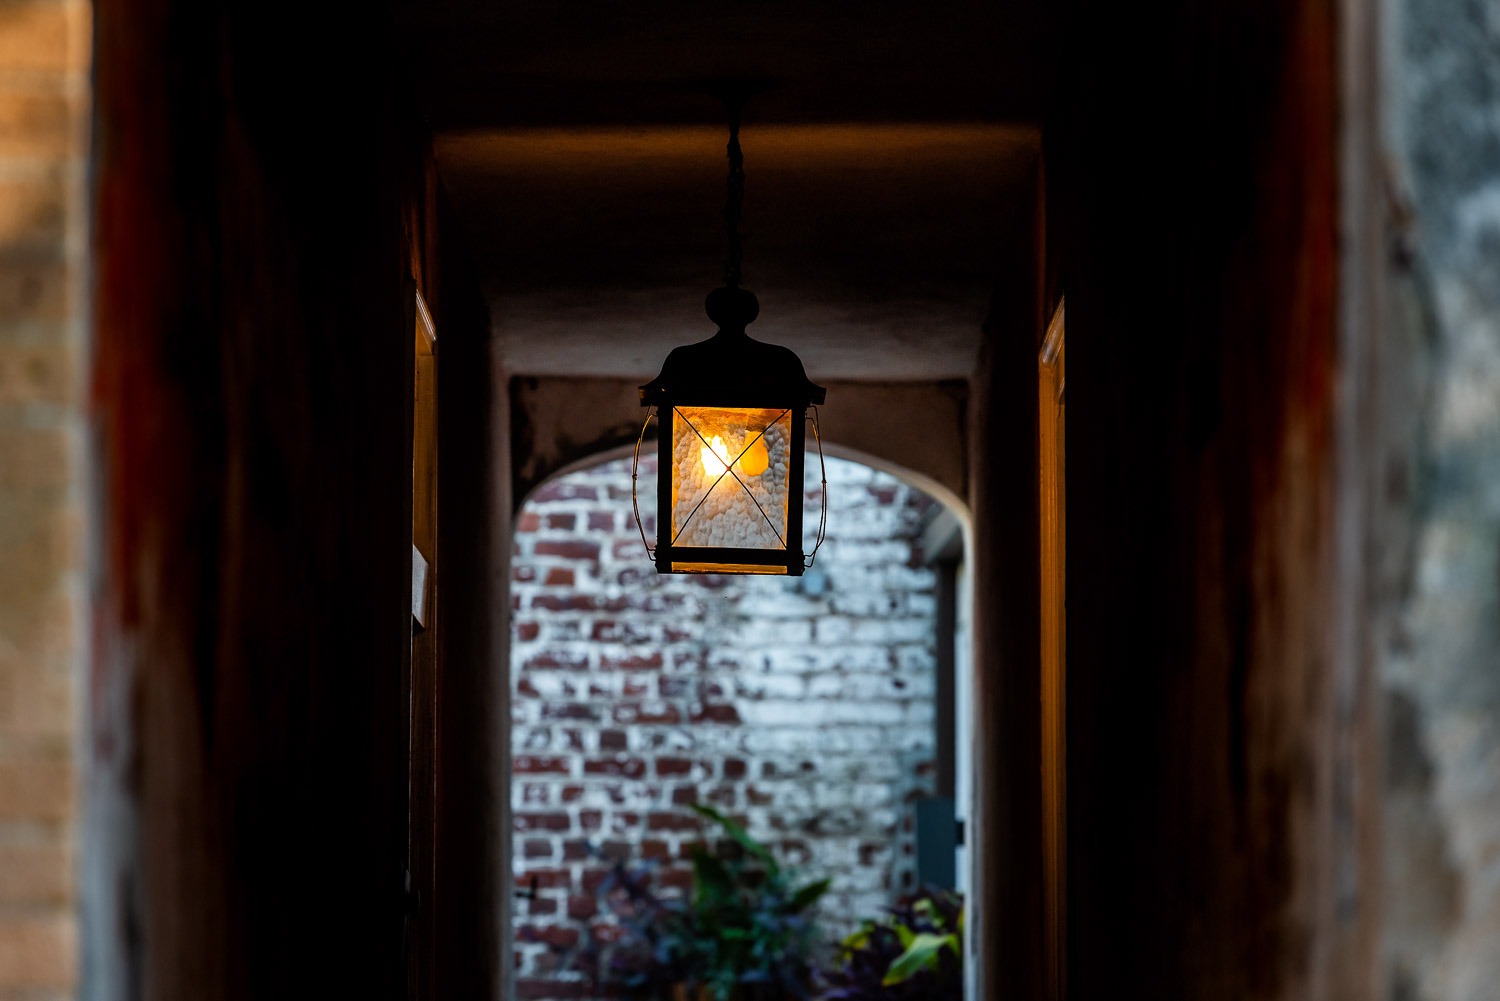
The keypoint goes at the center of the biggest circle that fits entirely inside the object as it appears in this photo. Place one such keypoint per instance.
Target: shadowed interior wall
(263, 200)
(1220, 795)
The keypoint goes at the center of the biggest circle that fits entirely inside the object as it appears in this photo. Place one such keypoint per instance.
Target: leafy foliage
(747, 920)
(744, 931)
(915, 953)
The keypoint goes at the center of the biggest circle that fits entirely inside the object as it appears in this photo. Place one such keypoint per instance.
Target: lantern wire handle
(635, 468)
(812, 419)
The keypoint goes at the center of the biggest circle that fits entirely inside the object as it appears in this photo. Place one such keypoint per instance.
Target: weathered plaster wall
(263, 199)
(804, 706)
(44, 64)
(1442, 655)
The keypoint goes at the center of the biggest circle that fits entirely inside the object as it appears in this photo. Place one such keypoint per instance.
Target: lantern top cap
(731, 368)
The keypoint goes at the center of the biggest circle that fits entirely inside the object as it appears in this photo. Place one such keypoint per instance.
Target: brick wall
(802, 706)
(43, 125)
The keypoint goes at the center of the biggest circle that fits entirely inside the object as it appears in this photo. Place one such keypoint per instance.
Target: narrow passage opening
(805, 709)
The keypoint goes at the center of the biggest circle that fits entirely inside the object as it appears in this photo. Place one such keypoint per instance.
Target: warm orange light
(755, 459)
(715, 457)
(752, 462)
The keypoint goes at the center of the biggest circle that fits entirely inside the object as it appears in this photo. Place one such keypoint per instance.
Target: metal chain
(735, 197)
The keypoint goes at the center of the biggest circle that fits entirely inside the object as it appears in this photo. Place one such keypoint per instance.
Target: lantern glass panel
(729, 477)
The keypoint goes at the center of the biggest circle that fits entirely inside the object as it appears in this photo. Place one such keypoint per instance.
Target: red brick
(568, 549)
(581, 908)
(34, 457)
(555, 935)
(527, 764)
(719, 712)
(546, 879)
(529, 521)
(571, 602)
(561, 522)
(631, 768)
(635, 661)
(673, 766)
(575, 850)
(535, 848)
(617, 851)
(662, 821)
(571, 710)
(559, 577)
(557, 490)
(613, 740)
(734, 768)
(601, 521)
(647, 713)
(36, 790)
(675, 879)
(526, 631)
(37, 952)
(530, 821)
(556, 660)
(35, 874)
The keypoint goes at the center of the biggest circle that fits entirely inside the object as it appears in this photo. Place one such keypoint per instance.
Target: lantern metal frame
(732, 371)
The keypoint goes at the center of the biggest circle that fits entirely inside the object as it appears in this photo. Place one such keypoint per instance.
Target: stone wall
(803, 706)
(1441, 548)
(43, 129)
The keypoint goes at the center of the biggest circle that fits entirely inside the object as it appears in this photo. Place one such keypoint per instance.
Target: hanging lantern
(732, 418)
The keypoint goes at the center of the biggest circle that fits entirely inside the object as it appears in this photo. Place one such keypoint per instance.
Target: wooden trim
(1053, 548)
(425, 327)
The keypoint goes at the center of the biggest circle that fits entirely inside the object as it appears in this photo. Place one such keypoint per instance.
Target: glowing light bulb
(756, 458)
(715, 457)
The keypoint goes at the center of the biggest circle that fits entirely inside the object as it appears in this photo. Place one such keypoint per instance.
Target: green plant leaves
(921, 953)
(752, 847)
(807, 896)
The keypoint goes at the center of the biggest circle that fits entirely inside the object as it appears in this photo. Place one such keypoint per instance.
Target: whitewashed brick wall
(802, 706)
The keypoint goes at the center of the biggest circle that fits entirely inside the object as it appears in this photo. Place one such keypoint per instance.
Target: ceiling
(889, 158)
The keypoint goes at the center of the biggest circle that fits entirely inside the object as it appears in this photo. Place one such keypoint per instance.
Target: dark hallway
(245, 753)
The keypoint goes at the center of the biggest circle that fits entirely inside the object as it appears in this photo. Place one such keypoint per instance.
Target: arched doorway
(814, 710)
